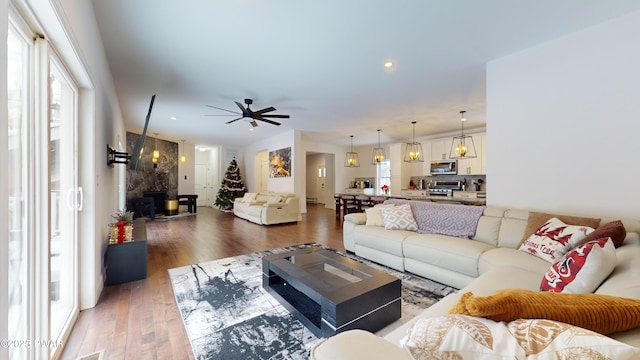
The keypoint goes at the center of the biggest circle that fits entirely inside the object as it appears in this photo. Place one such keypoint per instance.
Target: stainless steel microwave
(444, 167)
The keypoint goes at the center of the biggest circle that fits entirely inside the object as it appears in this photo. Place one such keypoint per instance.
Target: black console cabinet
(127, 261)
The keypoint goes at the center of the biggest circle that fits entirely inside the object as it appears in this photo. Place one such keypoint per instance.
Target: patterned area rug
(228, 315)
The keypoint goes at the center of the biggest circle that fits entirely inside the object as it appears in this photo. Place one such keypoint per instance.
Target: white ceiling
(322, 62)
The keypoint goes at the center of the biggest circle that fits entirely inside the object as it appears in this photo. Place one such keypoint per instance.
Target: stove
(444, 187)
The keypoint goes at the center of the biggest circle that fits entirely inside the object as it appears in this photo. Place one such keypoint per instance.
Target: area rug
(228, 315)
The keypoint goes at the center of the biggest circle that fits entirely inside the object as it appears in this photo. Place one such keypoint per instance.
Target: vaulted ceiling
(321, 62)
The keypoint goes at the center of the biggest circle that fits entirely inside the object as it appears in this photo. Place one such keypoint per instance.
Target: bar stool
(338, 200)
(349, 204)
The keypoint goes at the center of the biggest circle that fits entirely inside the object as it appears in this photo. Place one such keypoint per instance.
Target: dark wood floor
(140, 320)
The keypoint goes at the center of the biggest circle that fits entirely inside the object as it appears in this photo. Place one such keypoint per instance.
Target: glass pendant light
(378, 153)
(413, 152)
(462, 147)
(351, 160)
(156, 152)
(183, 158)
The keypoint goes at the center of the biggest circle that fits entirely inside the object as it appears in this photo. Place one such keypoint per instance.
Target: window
(383, 175)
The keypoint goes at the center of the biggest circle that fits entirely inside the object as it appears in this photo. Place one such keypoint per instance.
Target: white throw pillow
(399, 218)
(554, 239)
(276, 199)
(374, 215)
(466, 337)
(460, 337)
(582, 269)
(249, 197)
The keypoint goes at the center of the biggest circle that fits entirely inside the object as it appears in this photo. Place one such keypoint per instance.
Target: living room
(559, 121)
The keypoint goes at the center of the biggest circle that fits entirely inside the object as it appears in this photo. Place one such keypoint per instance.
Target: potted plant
(122, 229)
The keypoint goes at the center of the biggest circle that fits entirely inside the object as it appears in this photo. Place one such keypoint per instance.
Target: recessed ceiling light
(250, 129)
(173, 118)
(388, 64)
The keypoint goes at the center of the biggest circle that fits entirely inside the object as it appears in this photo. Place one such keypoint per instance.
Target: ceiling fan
(253, 115)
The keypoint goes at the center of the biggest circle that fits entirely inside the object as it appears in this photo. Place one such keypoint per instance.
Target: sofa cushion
(452, 253)
(537, 219)
(583, 310)
(554, 239)
(582, 269)
(275, 199)
(248, 197)
(499, 257)
(398, 218)
(614, 230)
(380, 239)
(462, 337)
(374, 215)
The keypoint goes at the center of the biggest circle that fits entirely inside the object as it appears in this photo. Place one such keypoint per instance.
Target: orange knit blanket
(603, 314)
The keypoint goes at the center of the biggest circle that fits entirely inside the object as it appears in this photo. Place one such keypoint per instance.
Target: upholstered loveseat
(487, 262)
(268, 208)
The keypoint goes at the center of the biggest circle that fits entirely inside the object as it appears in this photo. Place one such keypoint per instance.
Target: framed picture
(280, 163)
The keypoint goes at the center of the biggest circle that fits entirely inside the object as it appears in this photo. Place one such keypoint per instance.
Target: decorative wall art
(280, 163)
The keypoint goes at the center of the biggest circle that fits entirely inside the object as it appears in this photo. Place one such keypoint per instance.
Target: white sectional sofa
(268, 208)
(483, 264)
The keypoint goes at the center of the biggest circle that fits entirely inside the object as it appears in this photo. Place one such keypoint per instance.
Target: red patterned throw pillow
(582, 269)
(554, 239)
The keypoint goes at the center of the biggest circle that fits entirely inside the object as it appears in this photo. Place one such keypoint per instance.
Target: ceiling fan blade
(223, 109)
(277, 116)
(229, 122)
(270, 122)
(222, 115)
(253, 123)
(241, 107)
(265, 110)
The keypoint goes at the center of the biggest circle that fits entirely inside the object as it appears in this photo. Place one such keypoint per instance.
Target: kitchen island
(346, 203)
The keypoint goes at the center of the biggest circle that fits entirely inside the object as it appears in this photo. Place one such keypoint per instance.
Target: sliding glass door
(65, 201)
(44, 197)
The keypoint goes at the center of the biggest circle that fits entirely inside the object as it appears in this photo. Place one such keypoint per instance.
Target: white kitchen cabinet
(440, 149)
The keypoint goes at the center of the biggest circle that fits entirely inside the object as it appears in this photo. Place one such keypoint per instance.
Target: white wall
(563, 123)
(186, 170)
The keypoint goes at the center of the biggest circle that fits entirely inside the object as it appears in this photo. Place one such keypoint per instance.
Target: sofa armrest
(357, 344)
(356, 218)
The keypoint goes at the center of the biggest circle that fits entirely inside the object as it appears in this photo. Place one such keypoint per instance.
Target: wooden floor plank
(140, 320)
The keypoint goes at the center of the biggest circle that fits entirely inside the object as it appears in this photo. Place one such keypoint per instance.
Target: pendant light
(156, 152)
(183, 158)
(378, 153)
(462, 147)
(413, 152)
(351, 160)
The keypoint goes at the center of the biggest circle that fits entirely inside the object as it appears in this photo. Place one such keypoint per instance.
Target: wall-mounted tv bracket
(116, 157)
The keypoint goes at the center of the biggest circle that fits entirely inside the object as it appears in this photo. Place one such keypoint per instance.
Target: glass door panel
(18, 266)
(63, 203)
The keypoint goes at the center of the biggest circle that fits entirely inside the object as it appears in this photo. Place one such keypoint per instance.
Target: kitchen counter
(434, 198)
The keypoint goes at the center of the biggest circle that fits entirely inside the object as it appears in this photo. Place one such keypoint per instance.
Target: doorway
(320, 178)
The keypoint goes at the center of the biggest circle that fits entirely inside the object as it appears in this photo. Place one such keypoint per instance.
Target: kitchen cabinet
(475, 166)
(440, 149)
(411, 192)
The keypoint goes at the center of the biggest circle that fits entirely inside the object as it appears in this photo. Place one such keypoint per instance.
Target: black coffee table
(331, 293)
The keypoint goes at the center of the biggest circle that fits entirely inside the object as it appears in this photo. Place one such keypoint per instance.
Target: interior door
(202, 183)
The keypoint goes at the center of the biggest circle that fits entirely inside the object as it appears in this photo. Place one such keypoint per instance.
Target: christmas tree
(232, 187)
